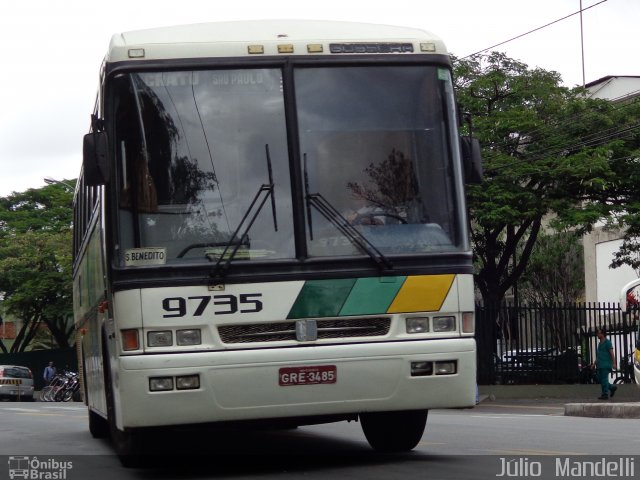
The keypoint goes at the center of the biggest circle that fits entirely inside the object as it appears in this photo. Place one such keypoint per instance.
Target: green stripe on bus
(321, 298)
(371, 296)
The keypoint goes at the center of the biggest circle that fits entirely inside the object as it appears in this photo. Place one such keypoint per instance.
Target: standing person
(605, 362)
(49, 373)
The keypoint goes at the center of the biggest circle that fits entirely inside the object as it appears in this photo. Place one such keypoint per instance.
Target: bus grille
(286, 331)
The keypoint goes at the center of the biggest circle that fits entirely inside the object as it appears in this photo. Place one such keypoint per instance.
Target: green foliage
(548, 152)
(555, 271)
(35, 262)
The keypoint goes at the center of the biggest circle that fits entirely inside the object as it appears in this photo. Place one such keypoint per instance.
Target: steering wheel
(200, 245)
(369, 218)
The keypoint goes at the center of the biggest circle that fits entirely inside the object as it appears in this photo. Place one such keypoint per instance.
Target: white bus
(270, 226)
(632, 314)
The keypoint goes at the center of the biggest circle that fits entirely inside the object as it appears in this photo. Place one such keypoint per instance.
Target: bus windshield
(376, 146)
(194, 149)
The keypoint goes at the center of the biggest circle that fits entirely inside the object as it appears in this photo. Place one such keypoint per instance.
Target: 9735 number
(218, 304)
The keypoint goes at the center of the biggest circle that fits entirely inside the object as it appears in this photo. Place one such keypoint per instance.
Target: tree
(549, 153)
(35, 262)
(555, 271)
(393, 183)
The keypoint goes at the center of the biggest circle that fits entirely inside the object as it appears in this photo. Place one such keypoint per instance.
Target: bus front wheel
(394, 431)
(98, 426)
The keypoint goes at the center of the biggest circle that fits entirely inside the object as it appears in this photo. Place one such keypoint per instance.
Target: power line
(551, 128)
(534, 30)
(620, 134)
(587, 140)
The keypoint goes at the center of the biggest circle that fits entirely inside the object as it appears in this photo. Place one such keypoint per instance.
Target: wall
(38, 360)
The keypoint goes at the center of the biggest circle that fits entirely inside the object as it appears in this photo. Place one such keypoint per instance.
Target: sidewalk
(578, 400)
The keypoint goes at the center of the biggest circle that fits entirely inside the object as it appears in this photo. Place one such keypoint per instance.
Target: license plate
(308, 375)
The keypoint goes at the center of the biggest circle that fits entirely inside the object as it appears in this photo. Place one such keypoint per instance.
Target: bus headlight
(447, 367)
(188, 337)
(161, 338)
(444, 324)
(188, 382)
(421, 369)
(417, 325)
(160, 384)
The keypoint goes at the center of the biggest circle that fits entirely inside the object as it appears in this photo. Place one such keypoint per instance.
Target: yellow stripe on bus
(422, 293)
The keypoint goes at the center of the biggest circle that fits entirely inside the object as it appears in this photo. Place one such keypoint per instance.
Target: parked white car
(16, 383)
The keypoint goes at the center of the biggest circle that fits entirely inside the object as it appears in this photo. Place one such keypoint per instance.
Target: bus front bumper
(295, 382)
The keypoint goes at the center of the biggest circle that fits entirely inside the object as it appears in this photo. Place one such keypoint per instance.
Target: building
(602, 283)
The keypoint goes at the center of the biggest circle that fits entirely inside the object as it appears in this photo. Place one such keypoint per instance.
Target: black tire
(394, 431)
(98, 426)
(128, 445)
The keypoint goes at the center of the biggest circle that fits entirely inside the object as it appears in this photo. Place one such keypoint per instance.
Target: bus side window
(139, 185)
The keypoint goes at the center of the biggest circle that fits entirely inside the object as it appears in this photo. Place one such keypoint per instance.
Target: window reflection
(380, 155)
(191, 152)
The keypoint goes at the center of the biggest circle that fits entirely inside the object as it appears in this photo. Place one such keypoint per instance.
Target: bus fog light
(446, 368)
(188, 337)
(417, 325)
(188, 382)
(162, 338)
(421, 369)
(444, 324)
(160, 384)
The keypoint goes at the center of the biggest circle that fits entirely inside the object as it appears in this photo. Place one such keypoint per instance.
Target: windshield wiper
(328, 211)
(241, 234)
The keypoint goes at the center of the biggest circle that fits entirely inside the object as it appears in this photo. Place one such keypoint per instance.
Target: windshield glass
(194, 149)
(202, 164)
(375, 146)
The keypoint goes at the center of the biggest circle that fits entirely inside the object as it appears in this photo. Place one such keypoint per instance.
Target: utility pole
(584, 83)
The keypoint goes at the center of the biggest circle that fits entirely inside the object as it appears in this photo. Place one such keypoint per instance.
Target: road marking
(540, 407)
(64, 407)
(513, 415)
(532, 452)
(18, 409)
(70, 411)
(40, 414)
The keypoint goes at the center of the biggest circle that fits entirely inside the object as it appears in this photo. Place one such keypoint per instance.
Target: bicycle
(61, 388)
(47, 393)
(625, 371)
(71, 387)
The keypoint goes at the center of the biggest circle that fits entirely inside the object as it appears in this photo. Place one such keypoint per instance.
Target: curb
(626, 404)
(603, 410)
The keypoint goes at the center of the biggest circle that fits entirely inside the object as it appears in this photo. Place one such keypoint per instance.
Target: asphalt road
(458, 444)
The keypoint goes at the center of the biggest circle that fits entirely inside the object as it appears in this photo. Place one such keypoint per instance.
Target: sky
(51, 52)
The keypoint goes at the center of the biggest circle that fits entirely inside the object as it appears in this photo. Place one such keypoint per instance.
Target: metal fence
(535, 344)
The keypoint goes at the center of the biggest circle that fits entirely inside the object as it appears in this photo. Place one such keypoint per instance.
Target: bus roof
(270, 37)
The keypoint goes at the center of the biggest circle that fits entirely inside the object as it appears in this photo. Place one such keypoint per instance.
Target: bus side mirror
(94, 159)
(471, 160)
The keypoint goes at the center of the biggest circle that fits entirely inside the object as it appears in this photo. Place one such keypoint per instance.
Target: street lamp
(51, 181)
